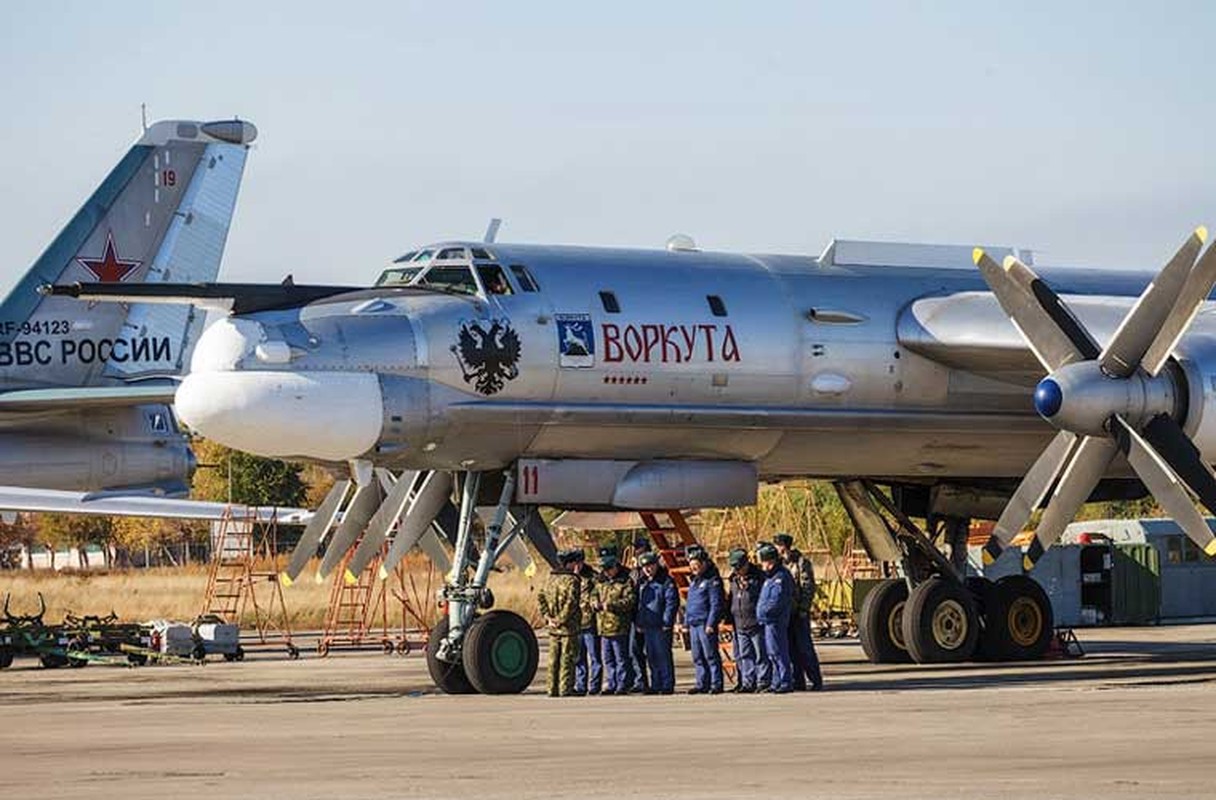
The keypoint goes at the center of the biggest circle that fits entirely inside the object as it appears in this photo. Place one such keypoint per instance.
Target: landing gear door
(514, 295)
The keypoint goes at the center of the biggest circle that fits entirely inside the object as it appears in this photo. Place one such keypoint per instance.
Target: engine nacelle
(1196, 359)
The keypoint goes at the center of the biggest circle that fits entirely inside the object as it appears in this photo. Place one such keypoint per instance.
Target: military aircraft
(595, 378)
(85, 390)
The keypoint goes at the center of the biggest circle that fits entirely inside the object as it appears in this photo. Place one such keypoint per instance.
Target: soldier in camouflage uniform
(587, 681)
(615, 603)
(560, 603)
(802, 647)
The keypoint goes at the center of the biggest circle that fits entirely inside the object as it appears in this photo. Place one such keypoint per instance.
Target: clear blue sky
(1081, 130)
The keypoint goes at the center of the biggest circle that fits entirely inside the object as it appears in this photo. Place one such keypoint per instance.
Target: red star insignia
(110, 268)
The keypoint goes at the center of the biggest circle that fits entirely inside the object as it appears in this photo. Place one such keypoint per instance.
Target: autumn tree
(227, 475)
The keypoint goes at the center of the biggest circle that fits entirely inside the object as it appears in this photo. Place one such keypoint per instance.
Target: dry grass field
(177, 593)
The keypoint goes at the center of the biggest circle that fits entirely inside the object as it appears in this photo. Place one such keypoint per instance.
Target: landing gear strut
(494, 652)
(933, 614)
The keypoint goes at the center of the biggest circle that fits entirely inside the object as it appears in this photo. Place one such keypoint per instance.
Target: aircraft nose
(332, 416)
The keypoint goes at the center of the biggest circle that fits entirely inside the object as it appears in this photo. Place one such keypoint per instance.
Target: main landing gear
(933, 614)
(473, 649)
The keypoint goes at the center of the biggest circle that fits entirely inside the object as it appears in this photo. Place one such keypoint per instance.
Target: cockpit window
(398, 276)
(526, 281)
(423, 256)
(494, 279)
(450, 253)
(455, 279)
(482, 255)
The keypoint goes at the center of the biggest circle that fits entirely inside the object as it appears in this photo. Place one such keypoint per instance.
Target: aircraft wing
(66, 399)
(17, 498)
(235, 298)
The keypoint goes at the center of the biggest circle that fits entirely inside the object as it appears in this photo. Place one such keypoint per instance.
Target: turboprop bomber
(927, 382)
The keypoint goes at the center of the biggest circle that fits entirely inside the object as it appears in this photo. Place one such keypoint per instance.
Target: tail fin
(162, 214)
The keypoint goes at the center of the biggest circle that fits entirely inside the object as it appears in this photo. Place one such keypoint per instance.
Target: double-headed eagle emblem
(488, 357)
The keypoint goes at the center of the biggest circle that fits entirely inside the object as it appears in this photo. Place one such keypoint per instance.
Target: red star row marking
(110, 268)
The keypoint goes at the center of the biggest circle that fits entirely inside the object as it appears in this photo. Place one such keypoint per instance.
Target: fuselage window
(398, 276)
(526, 281)
(451, 252)
(716, 306)
(610, 303)
(494, 279)
(482, 255)
(454, 279)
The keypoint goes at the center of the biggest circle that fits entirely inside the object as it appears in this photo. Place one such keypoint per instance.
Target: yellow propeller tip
(1211, 548)
(976, 255)
(383, 574)
(1202, 233)
(285, 579)
(319, 578)
(530, 570)
(1027, 564)
(988, 559)
(1009, 261)
(350, 578)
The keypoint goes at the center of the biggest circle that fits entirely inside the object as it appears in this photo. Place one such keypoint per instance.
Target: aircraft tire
(879, 623)
(940, 623)
(448, 676)
(1018, 623)
(501, 654)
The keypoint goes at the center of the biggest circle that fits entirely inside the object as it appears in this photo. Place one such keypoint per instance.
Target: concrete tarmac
(1136, 717)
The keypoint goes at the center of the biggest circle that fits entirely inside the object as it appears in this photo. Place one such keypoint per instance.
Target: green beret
(568, 556)
(648, 558)
(784, 539)
(609, 561)
(767, 553)
(696, 551)
(607, 550)
(579, 555)
(737, 557)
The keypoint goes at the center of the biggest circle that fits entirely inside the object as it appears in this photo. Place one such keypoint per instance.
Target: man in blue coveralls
(658, 601)
(773, 612)
(702, 612)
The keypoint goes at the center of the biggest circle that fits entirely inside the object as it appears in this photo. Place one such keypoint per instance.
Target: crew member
(753, 670)
(802, 647)
(559, 602)
(637, 641)
(773, 610)
(615, 604)
(702, 613)
(658, 601)
(587, 681)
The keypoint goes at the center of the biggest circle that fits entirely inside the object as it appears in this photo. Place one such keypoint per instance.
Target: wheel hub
(950, 625)
(895, 626)
(1025, 621)
(509, 654)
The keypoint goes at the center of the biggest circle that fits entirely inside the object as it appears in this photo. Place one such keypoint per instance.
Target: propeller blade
(432, 544)
(367, 499)
(1087, 467)
(1198, 286)
(381, 523)
(1172, 444)
(1164, 485)
(1053, 307)
(1029, 494)
(314, 531)
(1048, 343)
(1156, 305)
(435, 490)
